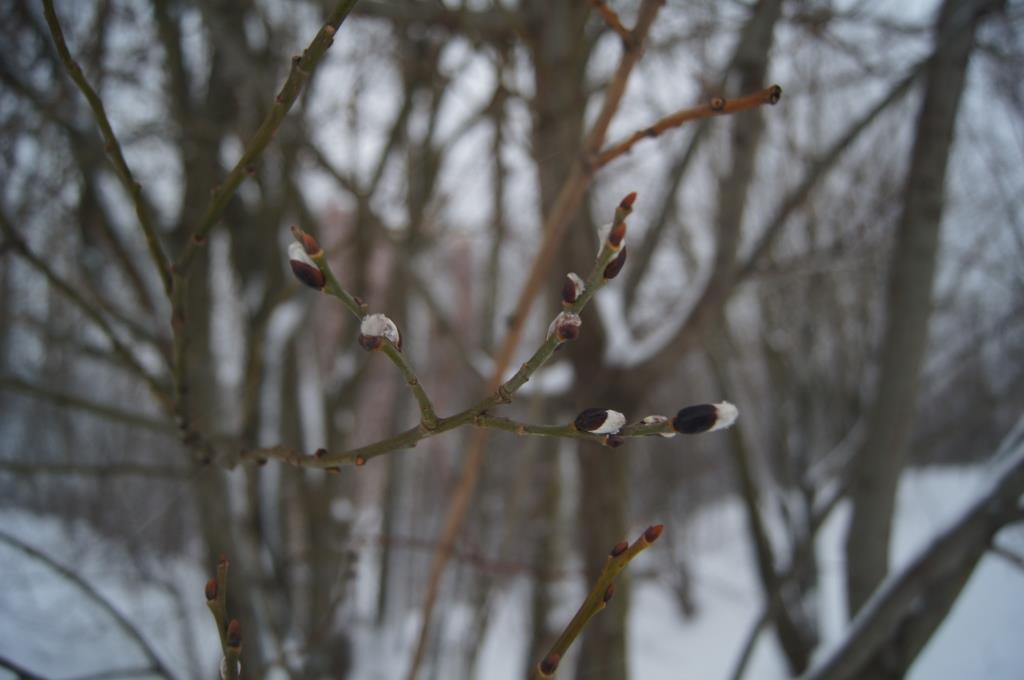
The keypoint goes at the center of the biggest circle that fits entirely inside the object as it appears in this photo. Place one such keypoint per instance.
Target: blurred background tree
(773, 260)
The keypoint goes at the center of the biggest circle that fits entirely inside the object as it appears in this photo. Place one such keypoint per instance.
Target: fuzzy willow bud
(705, 418)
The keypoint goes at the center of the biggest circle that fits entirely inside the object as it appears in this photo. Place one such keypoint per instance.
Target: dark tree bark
(875, 472)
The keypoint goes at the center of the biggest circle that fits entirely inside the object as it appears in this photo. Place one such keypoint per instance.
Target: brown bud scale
(614, 441)
(617, 233)
(311, 276)
(619, 548)
(550, 663)
(211, 590)
(615, 266)
(569, 291)
(627, 202)
(653, 532)
(370, 342)
(234, 634)
(609, 592)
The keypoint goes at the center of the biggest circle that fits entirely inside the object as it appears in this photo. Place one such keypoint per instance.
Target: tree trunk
(875, 472)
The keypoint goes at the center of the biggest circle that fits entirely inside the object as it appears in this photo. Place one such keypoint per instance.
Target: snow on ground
(48, 627)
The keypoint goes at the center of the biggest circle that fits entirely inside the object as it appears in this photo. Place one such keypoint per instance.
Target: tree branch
(90, 592)
(113, 147)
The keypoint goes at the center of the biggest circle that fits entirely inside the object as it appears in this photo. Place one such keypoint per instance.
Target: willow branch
(112, 146)
(502, 394)
(596, 600)
(302, 67)
(716, 107)
(90, 592)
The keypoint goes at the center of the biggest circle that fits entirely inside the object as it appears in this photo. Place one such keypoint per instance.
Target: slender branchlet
(112, 147)
(715, 107)
(601, 426)
(597, 599)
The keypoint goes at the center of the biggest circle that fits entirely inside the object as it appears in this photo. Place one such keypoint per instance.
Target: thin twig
(112, 146)
(89, 591)
(596, 599)
(302, 68)
(612, 20)
(500, 395)
(716, 107)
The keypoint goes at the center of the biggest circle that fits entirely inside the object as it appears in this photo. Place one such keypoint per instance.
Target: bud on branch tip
(211, 590)
(705, 418)
(309, 244)
(653, 533)
(550, 663)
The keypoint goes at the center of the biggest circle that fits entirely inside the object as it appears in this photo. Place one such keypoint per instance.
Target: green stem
(595, 601)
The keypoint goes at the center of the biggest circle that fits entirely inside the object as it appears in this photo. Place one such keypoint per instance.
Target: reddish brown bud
(717, 103)
(617, 233)
(619, 548)
(234, 634)
(320, 453)
(565, 327)
(309, 244)
(308, 274)
(370, 342)
(613, 441)
(572, 288)
(615, 266)
(261, 461)
(211, 590)
(627, 202)
(550, 663)
(774, 94)
(360, 461)
(609, 592)
(653, 532)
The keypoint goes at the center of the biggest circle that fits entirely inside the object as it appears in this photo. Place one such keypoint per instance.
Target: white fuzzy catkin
(379, 325)
(613, 422)
(727, 414)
